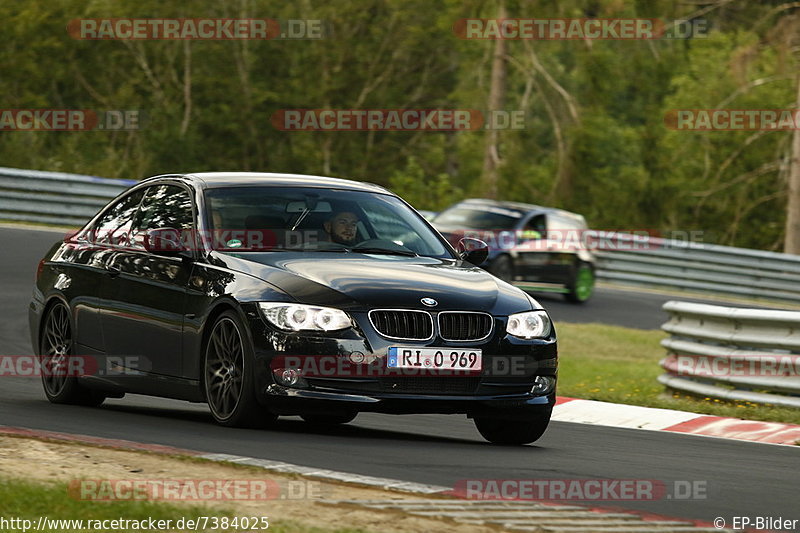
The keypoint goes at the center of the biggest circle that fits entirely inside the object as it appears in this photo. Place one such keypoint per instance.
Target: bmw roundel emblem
(430, 302)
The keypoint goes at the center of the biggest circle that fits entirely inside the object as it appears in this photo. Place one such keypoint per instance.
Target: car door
(145, 293)
(565, 238)
(80, 265)
(535, 260)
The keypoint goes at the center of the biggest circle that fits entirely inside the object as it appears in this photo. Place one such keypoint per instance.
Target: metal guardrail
(731, 353)
(71, 199)
(54, 197)
(725, 270)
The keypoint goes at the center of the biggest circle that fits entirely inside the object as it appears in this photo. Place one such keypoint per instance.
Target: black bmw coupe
(273, 294)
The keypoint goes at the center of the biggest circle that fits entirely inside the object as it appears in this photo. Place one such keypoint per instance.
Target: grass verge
(27, 500)
(620, 365)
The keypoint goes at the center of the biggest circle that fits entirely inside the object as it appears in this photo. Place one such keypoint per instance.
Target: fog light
(543, 385)
(288, 377)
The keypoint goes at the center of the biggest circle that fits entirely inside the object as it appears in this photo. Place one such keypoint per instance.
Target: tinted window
(164, 206)
(534, 228)
(486, 218)
(115, 224)
(301, 218)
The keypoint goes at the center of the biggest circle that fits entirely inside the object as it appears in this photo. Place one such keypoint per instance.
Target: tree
(497, 91)
(792, 242)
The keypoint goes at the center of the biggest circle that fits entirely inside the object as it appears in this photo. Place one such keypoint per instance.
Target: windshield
(305, 219)
(488, 218)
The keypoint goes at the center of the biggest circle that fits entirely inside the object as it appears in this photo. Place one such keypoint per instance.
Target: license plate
(439, 358)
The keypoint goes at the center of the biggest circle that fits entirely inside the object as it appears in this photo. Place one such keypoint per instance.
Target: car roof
(212, 180)
(517, 206)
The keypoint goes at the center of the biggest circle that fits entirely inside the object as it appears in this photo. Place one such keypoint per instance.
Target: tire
(55, 352)
(581, 286)
(228, 381)
(329, 419)
(503, 268)
(512, 432)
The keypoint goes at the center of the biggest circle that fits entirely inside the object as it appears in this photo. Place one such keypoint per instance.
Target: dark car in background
(230, 289)
(538, 248)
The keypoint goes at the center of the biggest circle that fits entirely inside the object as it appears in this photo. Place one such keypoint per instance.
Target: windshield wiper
(386, 251)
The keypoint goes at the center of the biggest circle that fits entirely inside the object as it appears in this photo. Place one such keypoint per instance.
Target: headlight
(529, 325)
(296, 317)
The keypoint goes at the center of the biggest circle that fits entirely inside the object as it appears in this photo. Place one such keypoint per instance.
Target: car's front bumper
(503, 388)
(290, 401)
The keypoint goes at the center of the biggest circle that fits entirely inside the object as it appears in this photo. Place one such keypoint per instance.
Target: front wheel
(228, 376)
(581, 286)
(58, 363)
(512, 431)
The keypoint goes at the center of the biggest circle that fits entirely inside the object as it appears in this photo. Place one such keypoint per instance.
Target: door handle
(112, 270)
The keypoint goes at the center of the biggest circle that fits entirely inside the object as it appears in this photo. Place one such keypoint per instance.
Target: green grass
(620, 365)
(28, 500)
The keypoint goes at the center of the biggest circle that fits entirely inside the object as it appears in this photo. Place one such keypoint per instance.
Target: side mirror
(164, 241)
(474, 251)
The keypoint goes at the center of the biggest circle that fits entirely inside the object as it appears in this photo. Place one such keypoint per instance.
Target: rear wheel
(329, 419)
(581, 286)
(228, 376)
(503, 268)
(512, 431)
(59, 363)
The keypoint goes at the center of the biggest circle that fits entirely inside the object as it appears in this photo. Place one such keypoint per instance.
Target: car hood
(371, 281)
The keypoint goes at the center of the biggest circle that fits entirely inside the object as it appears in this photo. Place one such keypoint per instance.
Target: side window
(164, 206)
(535, 228)
(565, 228)
(115, 224)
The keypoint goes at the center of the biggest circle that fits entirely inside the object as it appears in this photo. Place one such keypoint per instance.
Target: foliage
(594, 140)
(422, 190)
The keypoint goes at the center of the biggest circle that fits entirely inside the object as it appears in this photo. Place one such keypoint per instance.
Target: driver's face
(342, 227)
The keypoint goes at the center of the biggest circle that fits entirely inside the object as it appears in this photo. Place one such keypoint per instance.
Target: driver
(342, 227)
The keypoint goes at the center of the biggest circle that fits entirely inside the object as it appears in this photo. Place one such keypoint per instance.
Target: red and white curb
(649, 418)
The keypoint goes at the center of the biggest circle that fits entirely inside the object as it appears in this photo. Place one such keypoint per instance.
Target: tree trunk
(497, 92)
(792, 243)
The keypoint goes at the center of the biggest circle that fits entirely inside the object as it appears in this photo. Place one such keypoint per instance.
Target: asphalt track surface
(741, 478)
